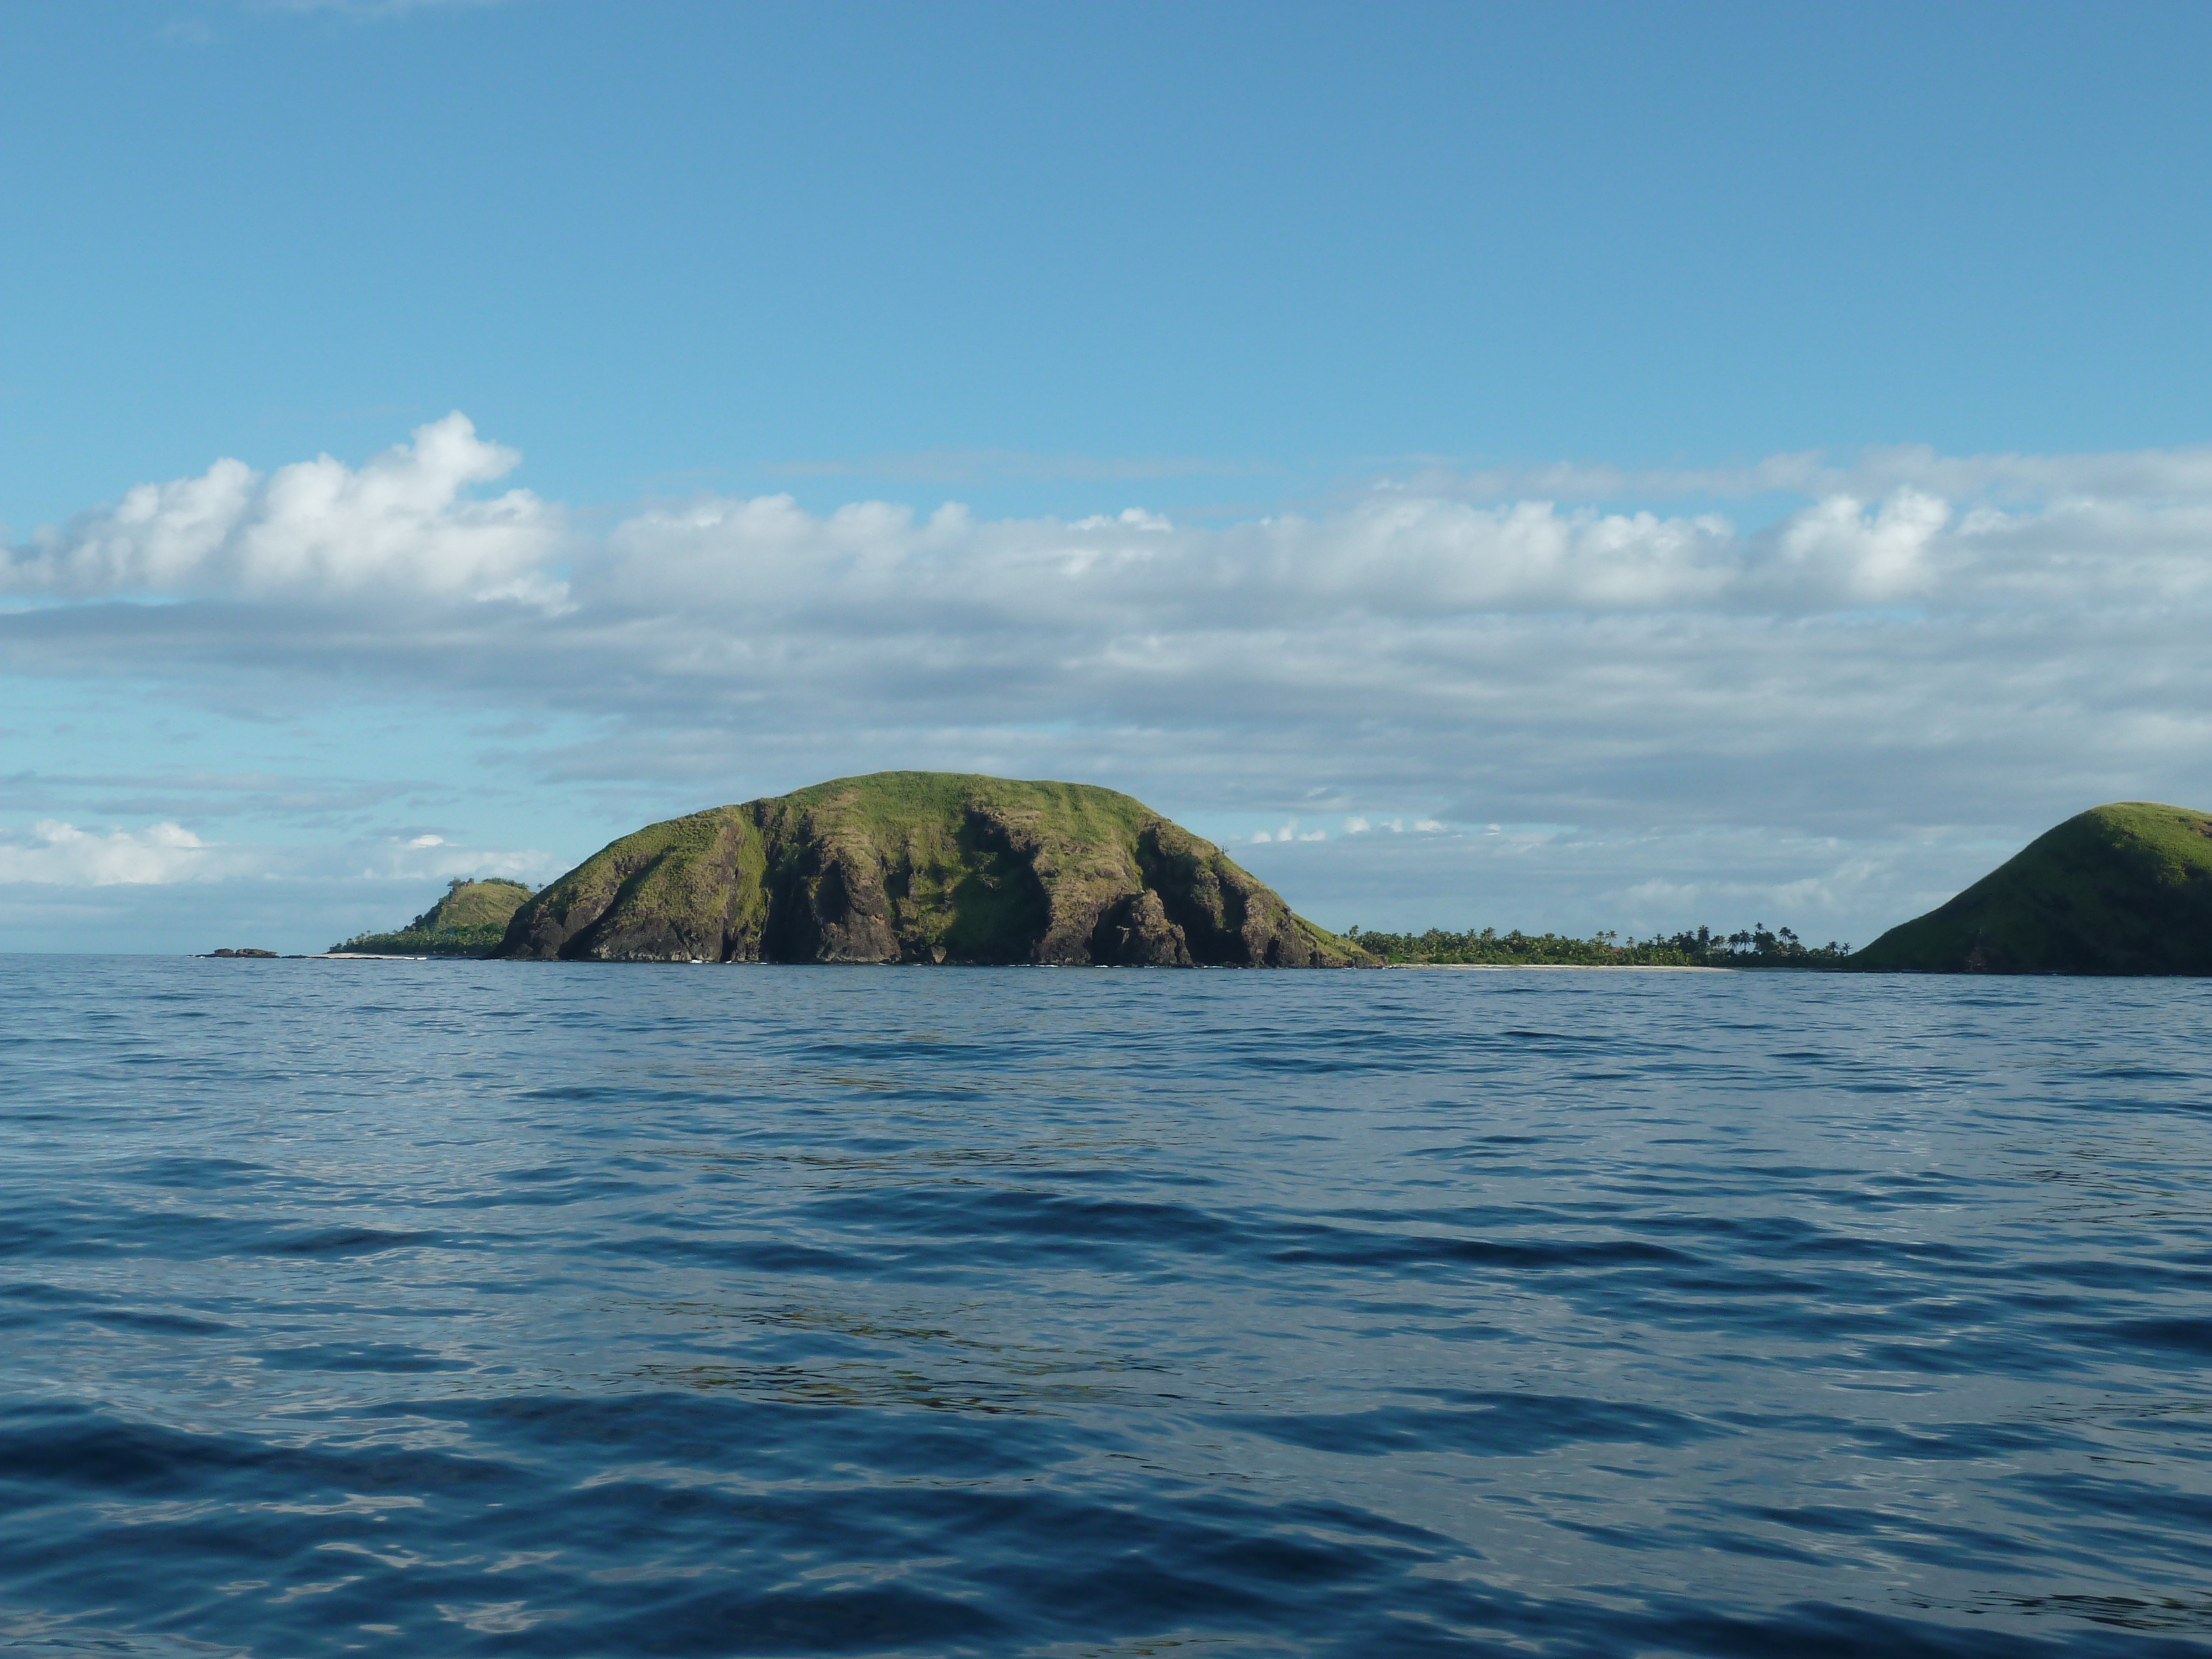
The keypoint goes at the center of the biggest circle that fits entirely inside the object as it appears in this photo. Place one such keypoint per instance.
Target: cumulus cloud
(1132, 583)
(61, 854)
(881, 565)
(55, 853)
(429, 858)
(1872, 556)
(403, 523)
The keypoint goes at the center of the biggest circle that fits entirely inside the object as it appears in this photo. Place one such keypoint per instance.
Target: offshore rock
(929, 867)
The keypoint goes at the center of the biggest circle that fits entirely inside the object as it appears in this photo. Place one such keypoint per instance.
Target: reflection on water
(466, 1308)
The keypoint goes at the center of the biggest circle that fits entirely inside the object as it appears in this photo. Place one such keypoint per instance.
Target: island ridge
(932, 867)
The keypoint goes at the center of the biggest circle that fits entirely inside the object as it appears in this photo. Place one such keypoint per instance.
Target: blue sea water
(455, 1308)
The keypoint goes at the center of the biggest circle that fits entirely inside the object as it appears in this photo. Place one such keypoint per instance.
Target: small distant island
(469, 920)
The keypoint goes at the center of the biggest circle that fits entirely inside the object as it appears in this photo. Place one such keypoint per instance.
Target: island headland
(931, 867)
(469, 920)
(2121, 888)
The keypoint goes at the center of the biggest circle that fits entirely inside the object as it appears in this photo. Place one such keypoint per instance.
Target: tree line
(1756, 946)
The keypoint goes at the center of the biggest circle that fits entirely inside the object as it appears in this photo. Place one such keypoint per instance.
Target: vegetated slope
(922, 867)
(2125, 889)
(471, 921)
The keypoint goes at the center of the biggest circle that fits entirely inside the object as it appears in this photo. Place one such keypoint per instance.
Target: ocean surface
(456, 1307)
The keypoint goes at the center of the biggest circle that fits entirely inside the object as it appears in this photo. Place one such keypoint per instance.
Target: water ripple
(487, 1308)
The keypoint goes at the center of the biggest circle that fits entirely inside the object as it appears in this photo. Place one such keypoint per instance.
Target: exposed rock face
(2125, 889)
(1134, 932)
(922, 867)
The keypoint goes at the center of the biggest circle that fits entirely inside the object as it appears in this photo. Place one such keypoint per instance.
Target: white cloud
(61, 854)
(55, 853)
(401, 523)
(404, 523)
(1874, 555)
(1133, 518)
(1135, 594)
(429, 858)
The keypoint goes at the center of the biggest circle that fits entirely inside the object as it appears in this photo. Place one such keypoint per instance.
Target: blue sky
(1711, 463)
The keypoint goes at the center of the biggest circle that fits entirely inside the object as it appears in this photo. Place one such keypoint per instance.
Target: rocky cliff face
(922, 867)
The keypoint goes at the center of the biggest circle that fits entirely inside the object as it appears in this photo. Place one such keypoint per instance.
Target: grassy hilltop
(2125, 889)
(469, 920)
(922, 867)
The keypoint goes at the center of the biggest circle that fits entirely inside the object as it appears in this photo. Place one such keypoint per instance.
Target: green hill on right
(2124, 889)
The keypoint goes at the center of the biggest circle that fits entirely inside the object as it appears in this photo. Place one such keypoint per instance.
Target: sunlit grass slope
(2125, 889)
(469, 920)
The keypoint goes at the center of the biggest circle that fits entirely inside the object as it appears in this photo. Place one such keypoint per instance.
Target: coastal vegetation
(926, 868)
(2121, 888)
(469, 920)
(1751, 947)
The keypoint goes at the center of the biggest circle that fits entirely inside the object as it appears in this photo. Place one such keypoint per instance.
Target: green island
(2123, 888)
(922, 867)
(469, 920)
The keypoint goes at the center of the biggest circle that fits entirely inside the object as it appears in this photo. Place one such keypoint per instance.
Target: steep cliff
(923, 868)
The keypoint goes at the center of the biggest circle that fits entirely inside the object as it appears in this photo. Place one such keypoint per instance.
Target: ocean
(430, 1308)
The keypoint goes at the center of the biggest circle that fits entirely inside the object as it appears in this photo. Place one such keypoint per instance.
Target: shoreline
(1559, 967)
(1393, 967)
